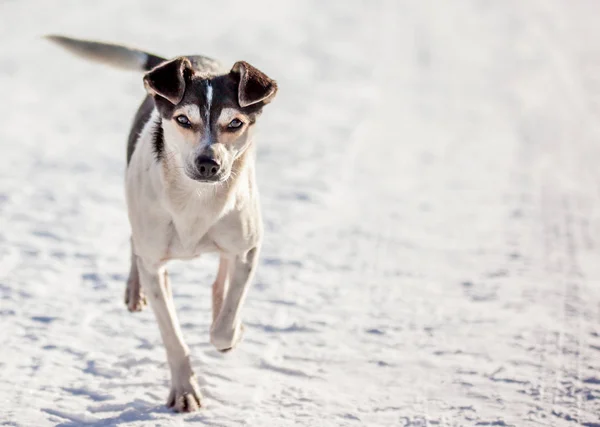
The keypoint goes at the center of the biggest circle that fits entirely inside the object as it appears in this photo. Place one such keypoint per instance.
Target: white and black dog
(190, 186)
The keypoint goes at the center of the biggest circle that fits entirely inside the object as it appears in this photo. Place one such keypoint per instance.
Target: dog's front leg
(227, 328)
(185, 394)
(220, 286)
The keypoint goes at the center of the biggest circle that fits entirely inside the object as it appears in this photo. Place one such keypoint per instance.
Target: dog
(190, 189)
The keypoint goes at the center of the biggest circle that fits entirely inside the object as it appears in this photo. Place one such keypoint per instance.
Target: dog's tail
(111, 54)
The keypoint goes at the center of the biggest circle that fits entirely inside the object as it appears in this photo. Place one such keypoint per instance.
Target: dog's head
(208, 120)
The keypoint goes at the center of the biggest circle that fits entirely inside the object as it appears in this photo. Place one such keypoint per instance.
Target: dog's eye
(183, 121)
(235, 124)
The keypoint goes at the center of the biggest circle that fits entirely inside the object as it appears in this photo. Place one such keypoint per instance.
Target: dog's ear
(254, 85)
(168, 79)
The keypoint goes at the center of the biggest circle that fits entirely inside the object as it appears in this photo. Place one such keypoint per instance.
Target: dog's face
(208, 120)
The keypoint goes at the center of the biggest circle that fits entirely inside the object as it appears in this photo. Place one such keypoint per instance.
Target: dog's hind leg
(227, 329)
(185, 394)
(134, 296)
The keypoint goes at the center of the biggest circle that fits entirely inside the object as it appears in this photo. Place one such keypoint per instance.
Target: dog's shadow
(138, 410)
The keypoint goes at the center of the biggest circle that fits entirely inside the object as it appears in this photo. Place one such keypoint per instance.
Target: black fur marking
(141, 118)
(158, 140)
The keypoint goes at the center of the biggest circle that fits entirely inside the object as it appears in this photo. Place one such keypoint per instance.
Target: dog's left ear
(254, 85)
(168, 79)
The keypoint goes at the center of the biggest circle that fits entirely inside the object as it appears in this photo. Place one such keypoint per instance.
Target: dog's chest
(212, 227)
(187, 247)
(190, 223)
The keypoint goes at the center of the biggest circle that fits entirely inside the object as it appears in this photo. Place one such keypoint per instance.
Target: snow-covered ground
(431, 192)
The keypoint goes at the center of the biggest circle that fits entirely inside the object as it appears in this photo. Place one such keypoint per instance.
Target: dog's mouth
(198, 177)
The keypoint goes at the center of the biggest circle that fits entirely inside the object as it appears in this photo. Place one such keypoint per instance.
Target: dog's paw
(225, 340)
(135, 300)
(185, 397)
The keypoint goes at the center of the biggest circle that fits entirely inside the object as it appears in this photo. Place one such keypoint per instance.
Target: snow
(429, 184)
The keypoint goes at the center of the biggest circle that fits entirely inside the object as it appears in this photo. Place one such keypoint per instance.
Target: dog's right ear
(168, 79)
(254, 86)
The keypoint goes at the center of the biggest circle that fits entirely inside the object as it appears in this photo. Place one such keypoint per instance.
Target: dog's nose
(207, 167)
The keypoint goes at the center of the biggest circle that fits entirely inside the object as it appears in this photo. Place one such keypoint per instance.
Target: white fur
(174, 217)
(209, 96)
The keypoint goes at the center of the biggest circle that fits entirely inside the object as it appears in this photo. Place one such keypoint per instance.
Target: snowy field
(430, 183)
